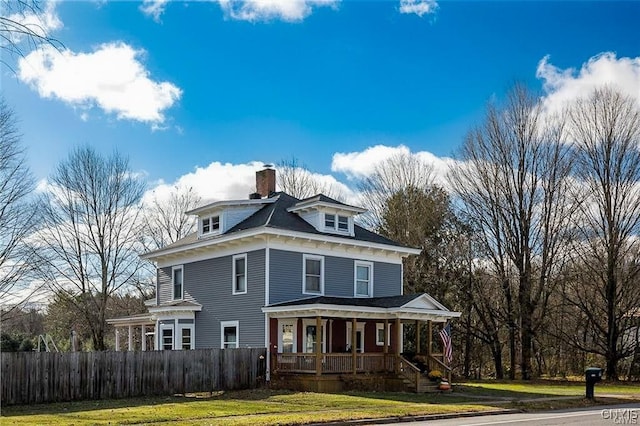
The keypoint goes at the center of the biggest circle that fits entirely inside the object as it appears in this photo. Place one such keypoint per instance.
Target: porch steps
(424, 385)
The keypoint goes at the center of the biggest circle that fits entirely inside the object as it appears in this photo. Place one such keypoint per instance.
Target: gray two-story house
(298, 277)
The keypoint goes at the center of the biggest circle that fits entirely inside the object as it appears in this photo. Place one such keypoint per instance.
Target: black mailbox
(592, 376)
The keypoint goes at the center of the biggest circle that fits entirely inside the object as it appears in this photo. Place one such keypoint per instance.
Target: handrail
(413, 375)
(444, 366)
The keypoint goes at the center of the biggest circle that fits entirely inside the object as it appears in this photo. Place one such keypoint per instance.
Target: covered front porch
(326, 337)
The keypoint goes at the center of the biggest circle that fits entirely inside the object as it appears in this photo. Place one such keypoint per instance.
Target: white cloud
(358, 165)
(266, 10)
(39, 22)
(227, 181)
(419, 7)
(111, 78)
(217, 181)
(561, 86)
(154, 8)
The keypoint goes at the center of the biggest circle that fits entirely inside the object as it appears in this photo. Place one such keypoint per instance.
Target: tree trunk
(612, 325)
(496, 351)
(526, 328)
(467, 346)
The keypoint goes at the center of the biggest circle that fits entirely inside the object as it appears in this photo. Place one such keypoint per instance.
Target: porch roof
(133, 320)
(408, 307)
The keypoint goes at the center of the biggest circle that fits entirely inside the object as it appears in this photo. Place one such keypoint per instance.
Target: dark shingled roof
(369, 302)
(275, 215)
(323, 198)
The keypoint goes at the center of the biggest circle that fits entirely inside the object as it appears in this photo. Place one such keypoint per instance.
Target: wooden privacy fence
(33, 377)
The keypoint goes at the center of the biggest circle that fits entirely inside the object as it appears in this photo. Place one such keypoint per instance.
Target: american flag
(445, 335)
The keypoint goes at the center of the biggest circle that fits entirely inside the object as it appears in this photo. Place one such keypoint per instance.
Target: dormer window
(336, 222)
(327, 215)
(343, 223)
(210, 225)
(329, 221)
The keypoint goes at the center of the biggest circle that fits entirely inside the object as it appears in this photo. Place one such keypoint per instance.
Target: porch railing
(436, 364)
(332, 363)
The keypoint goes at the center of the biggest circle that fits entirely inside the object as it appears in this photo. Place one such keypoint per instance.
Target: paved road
(602, 415)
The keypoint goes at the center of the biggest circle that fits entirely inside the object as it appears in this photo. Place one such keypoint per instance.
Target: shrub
(434, 375)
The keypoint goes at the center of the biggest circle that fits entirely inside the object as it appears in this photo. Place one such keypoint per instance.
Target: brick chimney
(266, 181)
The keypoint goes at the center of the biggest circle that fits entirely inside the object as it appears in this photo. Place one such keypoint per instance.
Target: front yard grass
(260, 407)
(268, 407)
(544, 388)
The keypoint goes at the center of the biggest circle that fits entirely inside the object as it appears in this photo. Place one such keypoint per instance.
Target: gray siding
(209, 283)
(165, 287)
(387, 279)
(234, 216)
(285, 281)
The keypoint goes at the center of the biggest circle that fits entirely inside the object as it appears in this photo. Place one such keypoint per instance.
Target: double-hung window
(210, 225)
(329, 220)
(363, 279)
(343, 223)
(230, 336)
(240, 274)
(380, 337)
(177, 282)
(336, 222)
(312, 274)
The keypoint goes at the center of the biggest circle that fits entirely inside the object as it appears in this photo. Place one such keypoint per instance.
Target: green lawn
(260, 407)
(543, 388)
(266, 407)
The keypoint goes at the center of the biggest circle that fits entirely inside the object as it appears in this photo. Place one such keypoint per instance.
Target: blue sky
(201, 92)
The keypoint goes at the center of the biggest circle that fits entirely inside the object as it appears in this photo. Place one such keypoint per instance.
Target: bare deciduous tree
(297, 181)
(605, 128)
(16, 214)
(24, 25)
(395, 174)
(512, 186)
(88, 248)
(165, 220)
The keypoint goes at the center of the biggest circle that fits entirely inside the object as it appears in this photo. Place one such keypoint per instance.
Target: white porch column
(130, 342)
(144, 338)
(156, 337)
(117, 339)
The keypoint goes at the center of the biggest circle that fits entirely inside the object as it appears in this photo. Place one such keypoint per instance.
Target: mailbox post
(592, 376)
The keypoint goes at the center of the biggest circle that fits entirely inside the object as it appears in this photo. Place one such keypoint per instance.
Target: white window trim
(355, 278)
(288, 321)
(335, 228)
(360, 328)
(304, 274)
(233, 274)
(161, 336)
(191, 327)
(380, 326)
(324, 221)
(211, 231)
(312, 321)
(173, 287)
(223, 325)
(348, 230)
